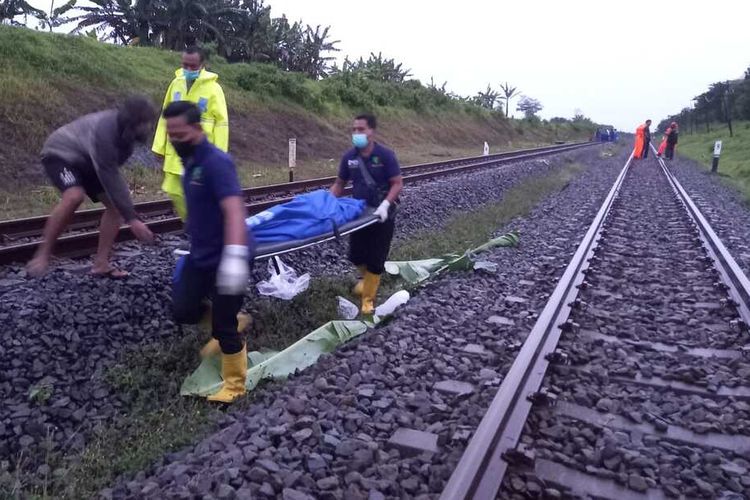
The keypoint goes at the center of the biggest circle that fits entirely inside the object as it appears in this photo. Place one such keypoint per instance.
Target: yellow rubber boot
(234, 373)
(357, 290)
(370, 285)
(212, 346)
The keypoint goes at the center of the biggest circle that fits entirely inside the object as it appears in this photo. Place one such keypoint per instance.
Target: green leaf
(206, 379)
(413, 271)
(416, 271)
(41, 393)
(510, 239)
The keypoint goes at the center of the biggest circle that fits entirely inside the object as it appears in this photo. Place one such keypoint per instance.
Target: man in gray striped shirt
(84, 158)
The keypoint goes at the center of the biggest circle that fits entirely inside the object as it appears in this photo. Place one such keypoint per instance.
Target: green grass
(42, 71)
(50, 79)
(611, 149)
(470, 230)
(158, 420)
(145, 183)
(734, 163)
(280, 323)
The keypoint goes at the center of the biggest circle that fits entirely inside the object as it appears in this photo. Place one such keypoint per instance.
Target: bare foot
(37, 266)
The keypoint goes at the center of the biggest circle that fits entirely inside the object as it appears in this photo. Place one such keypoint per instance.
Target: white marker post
(717, 153)
(486, 150)
(292, 158)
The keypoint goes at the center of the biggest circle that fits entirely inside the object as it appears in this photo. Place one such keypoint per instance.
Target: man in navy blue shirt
(376, 178)
(217, 266)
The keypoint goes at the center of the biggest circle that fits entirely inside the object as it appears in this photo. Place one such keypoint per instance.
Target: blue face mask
(191, 74)
(359, 140)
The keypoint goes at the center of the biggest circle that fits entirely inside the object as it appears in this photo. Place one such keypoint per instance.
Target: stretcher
(266, 250)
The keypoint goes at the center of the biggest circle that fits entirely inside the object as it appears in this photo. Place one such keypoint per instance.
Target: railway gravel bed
(17, 237)
(389, 414)
(724, 207)
(61, 333)
(654, 397)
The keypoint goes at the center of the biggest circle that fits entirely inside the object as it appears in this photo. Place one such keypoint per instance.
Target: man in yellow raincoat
(195, 84)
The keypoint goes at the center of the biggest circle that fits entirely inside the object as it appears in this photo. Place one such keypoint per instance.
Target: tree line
(721, 102)
(493, 99)
(245, 31)
(238, 30)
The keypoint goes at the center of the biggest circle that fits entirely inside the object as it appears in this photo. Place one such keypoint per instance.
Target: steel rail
(26, 227)
(482, 466)
(84, 243)
(480, 471)
(738, 285)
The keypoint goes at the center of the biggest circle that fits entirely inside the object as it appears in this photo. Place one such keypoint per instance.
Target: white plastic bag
(346, 309)
(283, 285)
(397, 299)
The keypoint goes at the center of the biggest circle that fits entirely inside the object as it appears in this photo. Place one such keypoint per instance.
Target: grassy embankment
(50, 79)
(734, 164)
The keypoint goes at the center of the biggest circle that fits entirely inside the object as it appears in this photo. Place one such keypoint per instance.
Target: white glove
(233, 273)
(382, 210)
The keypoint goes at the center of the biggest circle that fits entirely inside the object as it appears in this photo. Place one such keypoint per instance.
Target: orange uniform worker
(669, 141)
(642, 140)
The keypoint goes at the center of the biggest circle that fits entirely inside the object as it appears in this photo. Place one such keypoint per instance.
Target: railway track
(634, 381)
(18, 238)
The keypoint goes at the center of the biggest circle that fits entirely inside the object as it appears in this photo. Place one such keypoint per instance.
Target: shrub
(268, 81)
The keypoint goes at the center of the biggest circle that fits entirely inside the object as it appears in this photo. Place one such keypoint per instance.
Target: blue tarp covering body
(305, 216)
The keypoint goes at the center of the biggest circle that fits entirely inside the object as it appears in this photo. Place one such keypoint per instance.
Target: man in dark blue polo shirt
(217, 266)
(376, 178)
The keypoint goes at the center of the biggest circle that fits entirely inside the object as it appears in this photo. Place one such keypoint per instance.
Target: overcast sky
(618, 62)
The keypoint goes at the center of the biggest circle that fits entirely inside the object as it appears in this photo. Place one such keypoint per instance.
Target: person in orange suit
(642, 140)
(669, 141)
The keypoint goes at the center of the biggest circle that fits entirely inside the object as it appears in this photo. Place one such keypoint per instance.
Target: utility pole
(728, 110)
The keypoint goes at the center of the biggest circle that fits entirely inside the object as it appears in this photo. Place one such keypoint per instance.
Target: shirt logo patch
(196, 177)
(177, 96)
(376, 161)
(353, 163)
(203, 104)
(67, 177)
